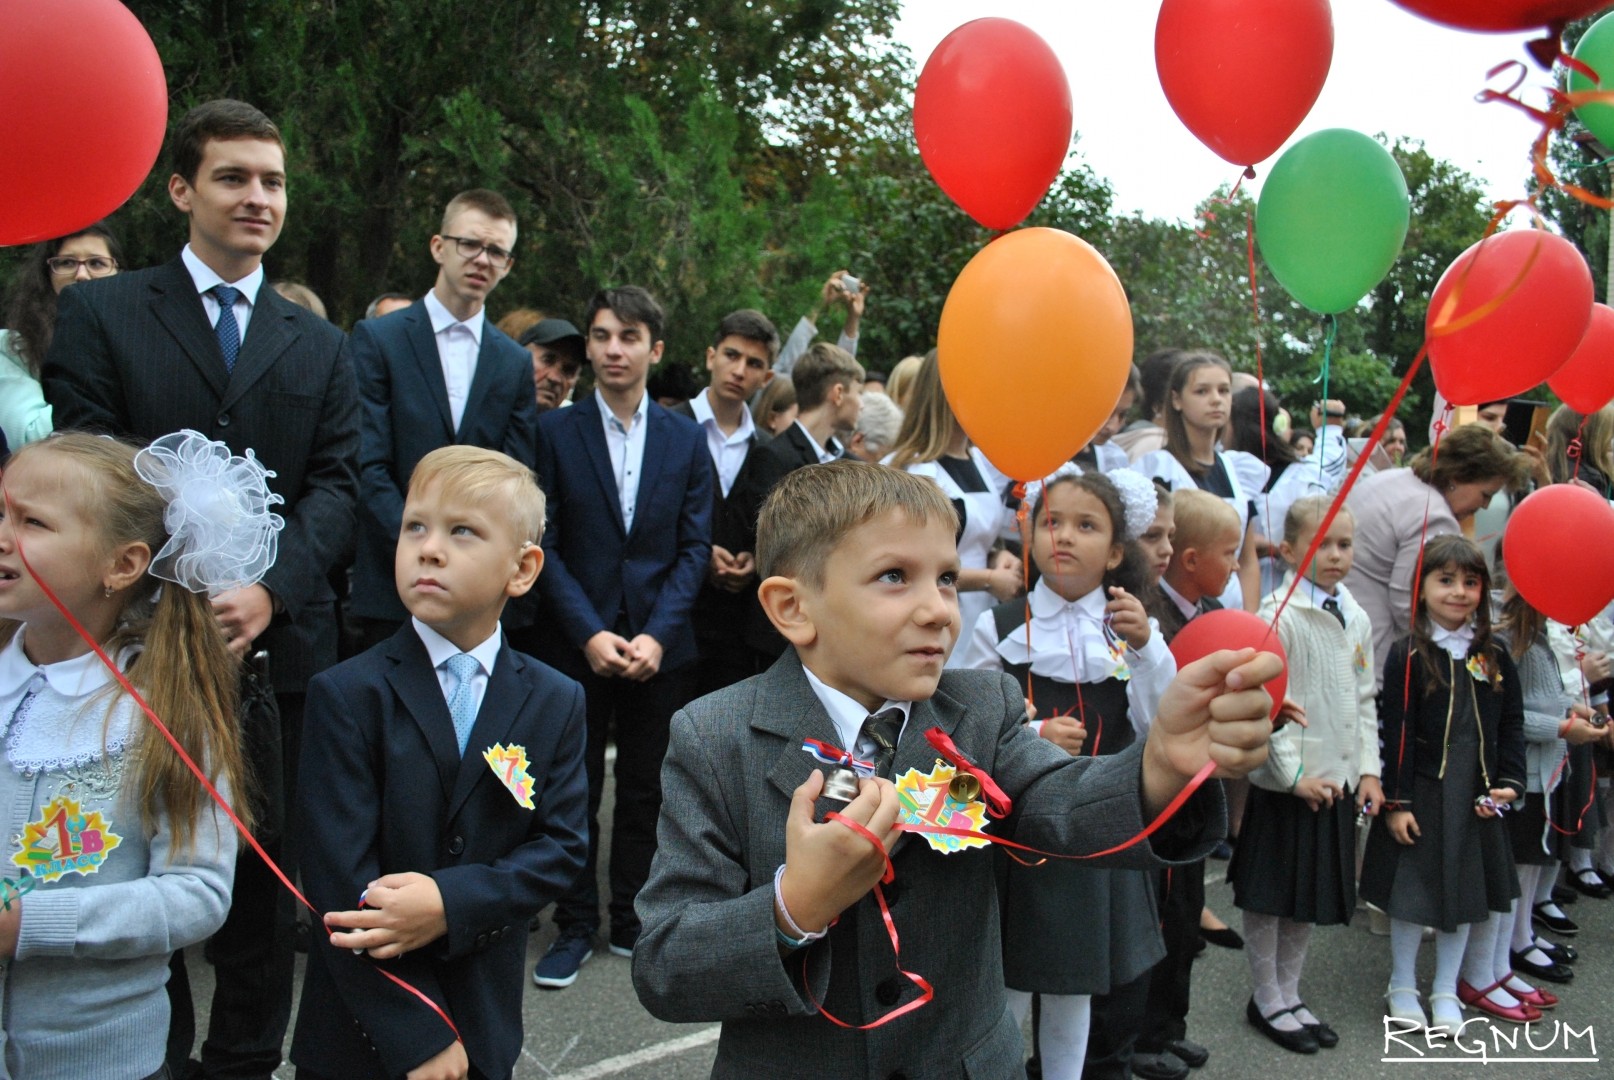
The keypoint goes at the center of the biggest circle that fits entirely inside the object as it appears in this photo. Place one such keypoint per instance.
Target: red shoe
(1541, 999)
(1522, 1013)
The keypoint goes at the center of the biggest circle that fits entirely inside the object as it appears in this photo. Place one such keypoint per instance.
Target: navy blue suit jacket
(384, 790)
(597, 572)
(405, 416)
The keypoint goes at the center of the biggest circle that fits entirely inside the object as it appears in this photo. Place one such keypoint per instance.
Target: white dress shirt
(626, 444)
(458, 345)
(1188, 610)
(1071, 642)
(441, 650)
(728, 451)
(826, 454)
(1456, 642)
(848, 716)
(205, 278)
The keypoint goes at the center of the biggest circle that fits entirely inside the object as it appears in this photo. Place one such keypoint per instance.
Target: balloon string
(1328, 354)
(190, 763)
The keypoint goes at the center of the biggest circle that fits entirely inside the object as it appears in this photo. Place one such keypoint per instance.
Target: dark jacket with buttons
(384, 790)
(709, 950)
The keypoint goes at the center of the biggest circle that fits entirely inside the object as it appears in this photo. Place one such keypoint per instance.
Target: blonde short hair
(1201, 518)
(812, 510)
(486, 476)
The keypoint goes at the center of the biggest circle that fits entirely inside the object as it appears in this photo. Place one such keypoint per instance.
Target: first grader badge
(65, 840)
(926, 799)
(509, 764)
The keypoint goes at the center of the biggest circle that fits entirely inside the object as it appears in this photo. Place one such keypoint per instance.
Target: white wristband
(800, 937)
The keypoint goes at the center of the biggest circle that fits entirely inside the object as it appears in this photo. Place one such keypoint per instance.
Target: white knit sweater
(1331, 671)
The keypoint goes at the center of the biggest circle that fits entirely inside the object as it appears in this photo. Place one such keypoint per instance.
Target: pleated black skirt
(1294, 861)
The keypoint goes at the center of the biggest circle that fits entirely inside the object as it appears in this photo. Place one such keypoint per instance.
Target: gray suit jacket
(708, 951)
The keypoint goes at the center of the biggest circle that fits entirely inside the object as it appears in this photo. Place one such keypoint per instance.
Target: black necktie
(1331, 606)
(882, 729)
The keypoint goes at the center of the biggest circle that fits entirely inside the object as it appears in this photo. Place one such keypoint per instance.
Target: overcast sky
(1392, 72)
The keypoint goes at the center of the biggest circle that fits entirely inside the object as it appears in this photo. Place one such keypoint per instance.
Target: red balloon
(991, 113)
(85, 108)
(1232, 628)
(1242, 74)
(1532, 293)
(1496, 16)
(1557, 555)
(1586, 381)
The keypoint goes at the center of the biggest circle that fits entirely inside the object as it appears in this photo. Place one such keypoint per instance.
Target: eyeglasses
(97, 265)
(470, 249)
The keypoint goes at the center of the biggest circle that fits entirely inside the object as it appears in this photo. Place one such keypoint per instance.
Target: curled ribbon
(1551, 119)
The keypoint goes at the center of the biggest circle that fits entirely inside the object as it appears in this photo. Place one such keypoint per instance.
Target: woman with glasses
(31, 316)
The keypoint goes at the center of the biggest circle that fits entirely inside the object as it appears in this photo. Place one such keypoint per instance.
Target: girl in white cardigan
(1294, 866)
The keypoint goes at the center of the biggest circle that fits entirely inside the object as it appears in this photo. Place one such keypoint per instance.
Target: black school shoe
(1162, 1066)
(1552, 971)
(1188, 1052)
(1558, 924)
(1299, 1042)
(1326, 1037)
(1590, 883)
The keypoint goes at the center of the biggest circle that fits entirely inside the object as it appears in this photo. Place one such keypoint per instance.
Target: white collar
(845, 713)
(640, 411)
(821, 451)
(205, 277)
(442, 318)
(1189, 610)
(1068, 640)
(70, 678)
(441, 650)
(1317, 594)
(701, 406)
(1456, 642)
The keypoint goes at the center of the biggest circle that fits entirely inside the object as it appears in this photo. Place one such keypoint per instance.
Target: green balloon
(1596, 51)
(1332, 217)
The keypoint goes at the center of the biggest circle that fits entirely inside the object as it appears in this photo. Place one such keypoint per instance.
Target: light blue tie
(462, 702)
(228, 330)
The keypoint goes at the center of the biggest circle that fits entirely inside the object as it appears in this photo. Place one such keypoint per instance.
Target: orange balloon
(1034, 348)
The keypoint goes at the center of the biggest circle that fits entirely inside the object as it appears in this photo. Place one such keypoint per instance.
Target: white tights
(1405, 938)
(1062, 1030)
(1276, 950)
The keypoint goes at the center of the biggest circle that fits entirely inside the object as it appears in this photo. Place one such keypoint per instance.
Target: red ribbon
(207, 785)
(998, 804)
(1563, 104)
(927, 991)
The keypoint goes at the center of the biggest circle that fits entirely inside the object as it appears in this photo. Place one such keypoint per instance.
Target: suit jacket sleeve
(521, 434)
(478, 897)
(676, 599)
(1398, 747)
(380, 499)
(709, 950)
(561, 593)
(339, 792)
(319, 530)
(81, 382)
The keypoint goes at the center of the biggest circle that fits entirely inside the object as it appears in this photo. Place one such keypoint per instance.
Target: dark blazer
(134, 355)
(598, 574)
(719, 612)
(406, 416)
(387, 792)
(1417, 711)
(1170, 617)
(765, 466)
(709, 951)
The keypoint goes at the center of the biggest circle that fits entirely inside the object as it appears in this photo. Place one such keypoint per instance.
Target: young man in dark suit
(829, 394)
(200, 343)
(628, 540)
(445, 792)
(740, 361)
(437, 373)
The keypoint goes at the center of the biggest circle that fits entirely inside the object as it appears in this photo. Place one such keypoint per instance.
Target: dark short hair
(631, 304)
(222, 118)
(1471, 454)
(1154, 380)
(750, 324)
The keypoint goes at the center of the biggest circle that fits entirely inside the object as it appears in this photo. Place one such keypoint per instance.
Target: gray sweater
(84, 998)
(1546, 704)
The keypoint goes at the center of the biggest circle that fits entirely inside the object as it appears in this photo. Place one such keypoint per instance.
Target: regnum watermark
(1479, 1041)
